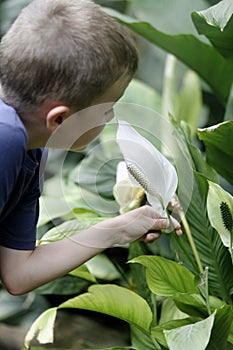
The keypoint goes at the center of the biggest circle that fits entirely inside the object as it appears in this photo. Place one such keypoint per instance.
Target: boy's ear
(55, 117)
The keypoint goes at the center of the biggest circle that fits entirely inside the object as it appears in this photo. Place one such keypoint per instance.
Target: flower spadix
(147, 167)
(128, 195)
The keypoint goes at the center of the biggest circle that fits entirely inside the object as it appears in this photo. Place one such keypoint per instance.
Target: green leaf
(42, 327)
(219, 148)
(143, 94)
(51, 208)
(69, 228)
(200, 57)
(190, 101)
(66, 285)
(230, 337)
(195, 305)
(165, 277)
(140, 339)
(43, 348)
(169, 311)
(169, 16)
(158, 331)
(83, 272)
(216, 196)
(118, 348)
(229, 108)
(54, 205)
(194, 336)
(114, 301)
(216, 23)
(101, 173)
(9, 10)
(102, 268)
(212, 252)
(221, 328)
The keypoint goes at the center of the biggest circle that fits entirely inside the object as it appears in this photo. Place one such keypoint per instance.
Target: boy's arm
(22, 271)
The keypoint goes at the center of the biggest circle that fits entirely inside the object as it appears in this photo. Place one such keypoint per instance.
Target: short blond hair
(68, 50)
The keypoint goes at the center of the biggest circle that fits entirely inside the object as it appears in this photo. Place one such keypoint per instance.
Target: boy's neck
(34, 125)
(34, 128)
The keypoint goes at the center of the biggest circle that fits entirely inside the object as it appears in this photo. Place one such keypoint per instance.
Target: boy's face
(82, 127)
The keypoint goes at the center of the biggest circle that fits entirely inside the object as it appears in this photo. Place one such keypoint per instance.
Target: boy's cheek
(86, 138)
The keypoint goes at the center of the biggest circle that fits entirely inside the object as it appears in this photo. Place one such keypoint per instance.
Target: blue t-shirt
(20, 178)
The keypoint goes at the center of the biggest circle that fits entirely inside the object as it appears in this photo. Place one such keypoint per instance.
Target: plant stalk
(190, 238)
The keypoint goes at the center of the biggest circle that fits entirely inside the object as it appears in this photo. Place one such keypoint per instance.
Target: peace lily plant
(146, 171)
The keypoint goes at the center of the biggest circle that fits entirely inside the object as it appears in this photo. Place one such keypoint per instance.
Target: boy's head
(63, 50)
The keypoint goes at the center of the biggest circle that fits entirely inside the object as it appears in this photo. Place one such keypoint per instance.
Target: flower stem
(190, 238)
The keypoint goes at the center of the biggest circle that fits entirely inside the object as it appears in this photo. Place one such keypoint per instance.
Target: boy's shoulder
(12, 130)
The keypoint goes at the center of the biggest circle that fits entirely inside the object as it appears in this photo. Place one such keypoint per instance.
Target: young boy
(58, 58)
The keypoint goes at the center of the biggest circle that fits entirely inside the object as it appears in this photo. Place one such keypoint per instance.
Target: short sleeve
(13, 149)
(18, 230)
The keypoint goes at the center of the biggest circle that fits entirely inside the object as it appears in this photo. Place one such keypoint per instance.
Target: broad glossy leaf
(59, 199)
(230, 337)
(216, 23)
(142, 94)
(95, 177)
(190, 101)
(22, 309)
(195, 305)
(200, 57)
(158, 331)
(140, 339)
(169, 311)
(115, 301)
(166, 277)
(216, 196)
(66, 285)
(9, 10)
(69, 228)
(167, 15)
(208, 243)
(97, 173)
(51, 208)
(198, 335)
(117, 348)
(229, 108)
(102, 268)
(83, 272)
(43, 348)
(42, 327)
(219, 147)
(221, 328)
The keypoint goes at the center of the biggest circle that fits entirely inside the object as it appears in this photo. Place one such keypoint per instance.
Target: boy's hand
(142, 223)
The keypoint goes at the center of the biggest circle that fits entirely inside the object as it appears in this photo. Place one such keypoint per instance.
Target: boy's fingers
(177, 226)
(160, 224)
(164, 223)
(179, 232)
(151, 236)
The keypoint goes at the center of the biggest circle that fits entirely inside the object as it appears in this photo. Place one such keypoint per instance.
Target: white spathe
(158, 171)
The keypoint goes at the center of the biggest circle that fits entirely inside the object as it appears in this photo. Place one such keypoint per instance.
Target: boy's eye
(109, 114)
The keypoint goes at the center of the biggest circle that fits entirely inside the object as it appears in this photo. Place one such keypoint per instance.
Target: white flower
(127, 195)
(147, 167)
